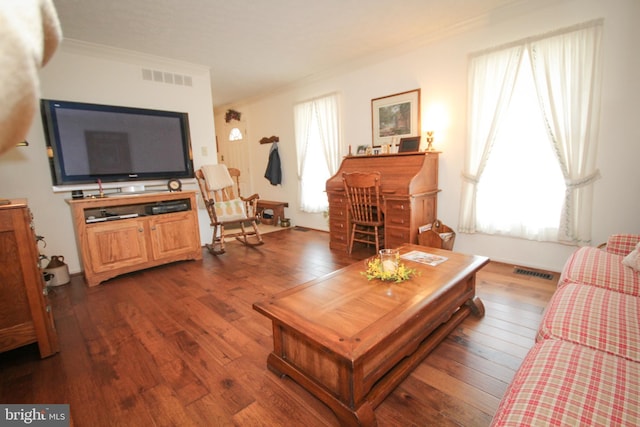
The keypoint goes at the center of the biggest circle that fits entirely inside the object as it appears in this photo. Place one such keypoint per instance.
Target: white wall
(90, 73)
(439, 69)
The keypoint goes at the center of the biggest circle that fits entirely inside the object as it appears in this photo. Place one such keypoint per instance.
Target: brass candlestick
(430, 140)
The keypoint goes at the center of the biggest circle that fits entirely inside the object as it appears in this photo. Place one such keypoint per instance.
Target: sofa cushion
(600, 268)
(622, 244)
(594, 317)
(633, 259)
(561, 383)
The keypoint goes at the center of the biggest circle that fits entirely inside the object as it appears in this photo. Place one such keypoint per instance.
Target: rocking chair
(220, 189)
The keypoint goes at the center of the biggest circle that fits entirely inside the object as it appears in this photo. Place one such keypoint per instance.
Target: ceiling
(254, 47)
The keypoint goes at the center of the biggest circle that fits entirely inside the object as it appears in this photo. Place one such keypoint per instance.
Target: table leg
(476, 306)
(363, 416)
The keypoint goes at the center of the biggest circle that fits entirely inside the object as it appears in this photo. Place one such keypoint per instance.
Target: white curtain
(566, 69)
(302, 116)
(317, 133)
(491, 81)
(329, 127)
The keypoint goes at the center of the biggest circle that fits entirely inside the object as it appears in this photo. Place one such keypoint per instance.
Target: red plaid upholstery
(584, 369)
(622, 244)
(565, 384)
(600, 268)
(594, 317)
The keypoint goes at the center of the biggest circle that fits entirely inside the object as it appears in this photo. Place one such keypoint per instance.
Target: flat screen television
(90, 143)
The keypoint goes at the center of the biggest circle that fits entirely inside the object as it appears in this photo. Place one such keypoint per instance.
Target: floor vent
(527, 272)
(300, 228)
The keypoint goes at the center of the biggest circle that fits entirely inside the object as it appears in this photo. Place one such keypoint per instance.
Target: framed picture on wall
(395, 115)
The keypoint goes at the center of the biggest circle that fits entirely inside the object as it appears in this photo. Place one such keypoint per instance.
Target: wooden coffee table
(350, 341)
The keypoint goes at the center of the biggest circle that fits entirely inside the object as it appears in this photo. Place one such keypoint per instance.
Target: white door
(235, 154)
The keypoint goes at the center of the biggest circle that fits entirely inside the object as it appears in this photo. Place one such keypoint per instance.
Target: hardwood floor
(180, 345)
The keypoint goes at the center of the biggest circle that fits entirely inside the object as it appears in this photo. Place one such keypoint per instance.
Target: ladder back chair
(220, 189)
(364, 204)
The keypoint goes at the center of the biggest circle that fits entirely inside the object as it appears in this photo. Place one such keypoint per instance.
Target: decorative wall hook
(270, 140)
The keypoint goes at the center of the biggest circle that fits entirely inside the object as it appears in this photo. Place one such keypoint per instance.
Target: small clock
(174, 185)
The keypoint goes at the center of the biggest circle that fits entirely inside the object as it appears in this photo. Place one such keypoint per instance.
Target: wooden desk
(350, 342)
(409, 186)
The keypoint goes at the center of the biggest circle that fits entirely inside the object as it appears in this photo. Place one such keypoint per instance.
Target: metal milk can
(59, 269)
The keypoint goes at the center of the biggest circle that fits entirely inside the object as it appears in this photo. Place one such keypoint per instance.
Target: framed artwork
(395, 116)
(362, 150)
(410, 144)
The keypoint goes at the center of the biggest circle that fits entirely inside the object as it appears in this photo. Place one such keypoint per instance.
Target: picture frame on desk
(395, 115)
(408, 145)
(362, 150)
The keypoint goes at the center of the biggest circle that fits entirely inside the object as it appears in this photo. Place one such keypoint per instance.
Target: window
(522, 188)
(235, 134)
(530, 161)
(318, 149)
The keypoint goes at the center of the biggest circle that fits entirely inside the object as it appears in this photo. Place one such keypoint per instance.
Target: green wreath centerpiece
(375, 271)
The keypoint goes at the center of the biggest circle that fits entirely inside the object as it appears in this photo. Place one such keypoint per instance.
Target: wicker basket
(267, 217)
(438, 236)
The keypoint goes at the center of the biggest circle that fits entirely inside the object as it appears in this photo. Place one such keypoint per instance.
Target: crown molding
(96, 50)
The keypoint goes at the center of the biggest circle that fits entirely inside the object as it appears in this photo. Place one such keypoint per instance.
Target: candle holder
(100, 191)
(429, 139)
(389, 259)
(387, 267)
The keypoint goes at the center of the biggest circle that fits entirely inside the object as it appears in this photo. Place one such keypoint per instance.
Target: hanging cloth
(273, 172)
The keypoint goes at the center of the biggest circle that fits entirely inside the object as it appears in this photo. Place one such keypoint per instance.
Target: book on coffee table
(424, 258)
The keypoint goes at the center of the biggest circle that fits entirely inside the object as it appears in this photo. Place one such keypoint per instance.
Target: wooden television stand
(124, 233)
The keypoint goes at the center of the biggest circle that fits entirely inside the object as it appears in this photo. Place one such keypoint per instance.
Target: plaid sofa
(584, 369)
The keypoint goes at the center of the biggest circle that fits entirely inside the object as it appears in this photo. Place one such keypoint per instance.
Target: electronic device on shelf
(110, 217)
(167, 207)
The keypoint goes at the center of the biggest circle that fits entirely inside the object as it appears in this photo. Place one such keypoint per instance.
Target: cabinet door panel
(13, 295)
(173, 234)
(121, 244)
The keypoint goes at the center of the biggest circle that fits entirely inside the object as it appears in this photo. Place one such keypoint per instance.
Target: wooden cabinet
(25, 313)
(409, 187)
(148, 238)
(115, 245)
(338, 220)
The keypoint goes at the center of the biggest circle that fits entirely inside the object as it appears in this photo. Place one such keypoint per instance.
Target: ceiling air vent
(166, 77)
